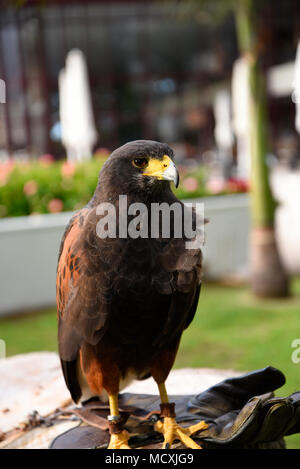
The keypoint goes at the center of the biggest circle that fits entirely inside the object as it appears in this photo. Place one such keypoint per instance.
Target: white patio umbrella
(223, 127)
(241, 113)
(296, 87)
(78, 131)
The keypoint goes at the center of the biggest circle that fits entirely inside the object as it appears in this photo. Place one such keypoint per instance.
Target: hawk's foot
(172, 431)
(119, 440)
(118, 436)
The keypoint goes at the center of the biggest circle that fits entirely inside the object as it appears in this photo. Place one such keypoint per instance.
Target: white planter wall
(29, 249)
(28, 257)
(226, 248)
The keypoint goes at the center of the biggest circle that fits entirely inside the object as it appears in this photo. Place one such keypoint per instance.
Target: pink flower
(30, 188)
(55, 205)
(190, 184)
(68, 169)
(5, 170)
(215, 185)
(102, 153)
(46, 160)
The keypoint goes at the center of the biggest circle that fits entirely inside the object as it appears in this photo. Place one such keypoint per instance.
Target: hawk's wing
(185, 266)
(81, 293)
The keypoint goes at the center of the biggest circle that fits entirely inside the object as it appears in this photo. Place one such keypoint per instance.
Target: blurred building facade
(154, 71)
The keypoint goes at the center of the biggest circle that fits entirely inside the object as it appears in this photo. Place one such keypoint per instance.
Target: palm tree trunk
(268, 277)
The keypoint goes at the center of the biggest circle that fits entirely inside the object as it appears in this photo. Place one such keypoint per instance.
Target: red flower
(237, 185)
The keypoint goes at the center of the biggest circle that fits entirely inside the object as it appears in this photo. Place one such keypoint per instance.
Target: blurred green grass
(232, 330)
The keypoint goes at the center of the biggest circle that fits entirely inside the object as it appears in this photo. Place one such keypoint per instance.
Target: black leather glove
(241, 412)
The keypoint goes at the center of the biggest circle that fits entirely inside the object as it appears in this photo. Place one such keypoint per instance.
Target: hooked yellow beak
(163, 169)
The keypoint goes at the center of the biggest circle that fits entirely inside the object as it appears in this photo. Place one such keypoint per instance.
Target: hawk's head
(141, 165)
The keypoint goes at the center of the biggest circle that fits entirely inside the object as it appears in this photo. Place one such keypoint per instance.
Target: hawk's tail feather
(69, 369)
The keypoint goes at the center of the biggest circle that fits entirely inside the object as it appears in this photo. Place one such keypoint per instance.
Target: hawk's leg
(102, 374)
(170, 428)
(118, 436)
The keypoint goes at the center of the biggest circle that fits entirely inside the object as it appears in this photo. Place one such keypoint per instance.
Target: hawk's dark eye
(140, 162)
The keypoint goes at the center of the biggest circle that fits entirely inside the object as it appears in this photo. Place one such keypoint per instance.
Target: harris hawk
(123, 302)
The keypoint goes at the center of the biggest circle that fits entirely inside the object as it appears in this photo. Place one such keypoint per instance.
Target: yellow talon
(172, 431)
(119, 440)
